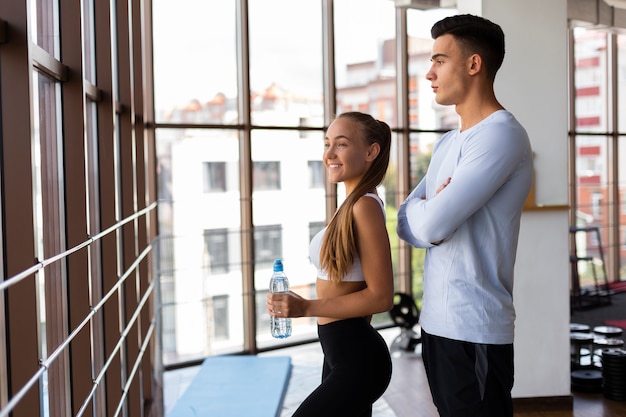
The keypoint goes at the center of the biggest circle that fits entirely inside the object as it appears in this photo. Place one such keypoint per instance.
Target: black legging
(356, 372)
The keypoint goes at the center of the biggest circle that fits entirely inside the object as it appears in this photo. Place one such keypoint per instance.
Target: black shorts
(469, 379)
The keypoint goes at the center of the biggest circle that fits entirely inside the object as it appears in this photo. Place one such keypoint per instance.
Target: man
(466, 213)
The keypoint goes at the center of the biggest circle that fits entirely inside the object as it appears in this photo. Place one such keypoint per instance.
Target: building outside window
(266, 175)
(268, 244)
(316, 174)
(213, 177)
(216, 246)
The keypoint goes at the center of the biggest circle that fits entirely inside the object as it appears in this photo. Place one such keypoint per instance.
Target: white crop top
(356, 273)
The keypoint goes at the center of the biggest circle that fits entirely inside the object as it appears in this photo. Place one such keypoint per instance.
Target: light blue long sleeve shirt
(468, 276)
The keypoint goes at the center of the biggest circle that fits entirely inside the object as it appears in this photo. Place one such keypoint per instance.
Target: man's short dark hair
(476, 35)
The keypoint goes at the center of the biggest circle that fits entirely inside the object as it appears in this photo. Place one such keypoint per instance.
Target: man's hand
(441, 187)
(444, 185)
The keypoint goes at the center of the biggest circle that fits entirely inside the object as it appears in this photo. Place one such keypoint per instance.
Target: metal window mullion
(403, 137)
(329, 91)
(245, 178)
(571, 59)
(571, 148)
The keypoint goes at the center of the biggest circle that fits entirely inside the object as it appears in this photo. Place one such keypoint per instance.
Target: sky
(195, 45)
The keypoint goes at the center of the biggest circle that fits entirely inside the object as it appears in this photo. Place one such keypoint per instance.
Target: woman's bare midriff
(326, 289)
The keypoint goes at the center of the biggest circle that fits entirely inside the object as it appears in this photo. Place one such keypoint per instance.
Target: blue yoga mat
(236, 386)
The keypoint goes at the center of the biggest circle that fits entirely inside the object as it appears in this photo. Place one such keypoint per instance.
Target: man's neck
(475, 109)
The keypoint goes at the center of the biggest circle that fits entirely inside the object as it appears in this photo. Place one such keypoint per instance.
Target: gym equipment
(405, 314)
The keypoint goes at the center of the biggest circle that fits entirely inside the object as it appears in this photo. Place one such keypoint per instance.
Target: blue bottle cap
(278, 265)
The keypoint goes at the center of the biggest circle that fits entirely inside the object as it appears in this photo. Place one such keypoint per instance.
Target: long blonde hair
(339, 245)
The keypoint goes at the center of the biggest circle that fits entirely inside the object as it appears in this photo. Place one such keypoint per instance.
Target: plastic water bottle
(281, 327)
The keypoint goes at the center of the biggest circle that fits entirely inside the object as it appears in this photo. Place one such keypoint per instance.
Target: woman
(355, 276)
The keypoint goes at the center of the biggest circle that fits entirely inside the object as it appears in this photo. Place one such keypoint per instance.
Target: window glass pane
(316, 174)
(214, 176)
(49, 224)
(283, 215)
(45, 27)
(195, 65)
(594, 205)
(38, 213)
(89, 40)
(94, 227)
(199, 245)
(424, 112)
(420, 151)
(315, 228)
(266, 175)
(365, 58)
(592, 201)
(286, 62)
(268, 245)
(216, 250)
(622, 206)
(388, 191)
(421, 148)
(91, 145)
(221, 320)
(590, 80)
(621, 171)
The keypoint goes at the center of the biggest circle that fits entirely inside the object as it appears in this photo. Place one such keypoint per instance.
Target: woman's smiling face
(345, 152)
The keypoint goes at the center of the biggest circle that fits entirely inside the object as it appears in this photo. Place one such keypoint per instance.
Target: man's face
(448, 73)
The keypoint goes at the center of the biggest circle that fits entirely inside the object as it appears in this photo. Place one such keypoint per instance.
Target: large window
(240, 143)
(78, 209)
(599, 143)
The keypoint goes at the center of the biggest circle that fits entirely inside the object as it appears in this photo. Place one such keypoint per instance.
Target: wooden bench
(236, 386)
